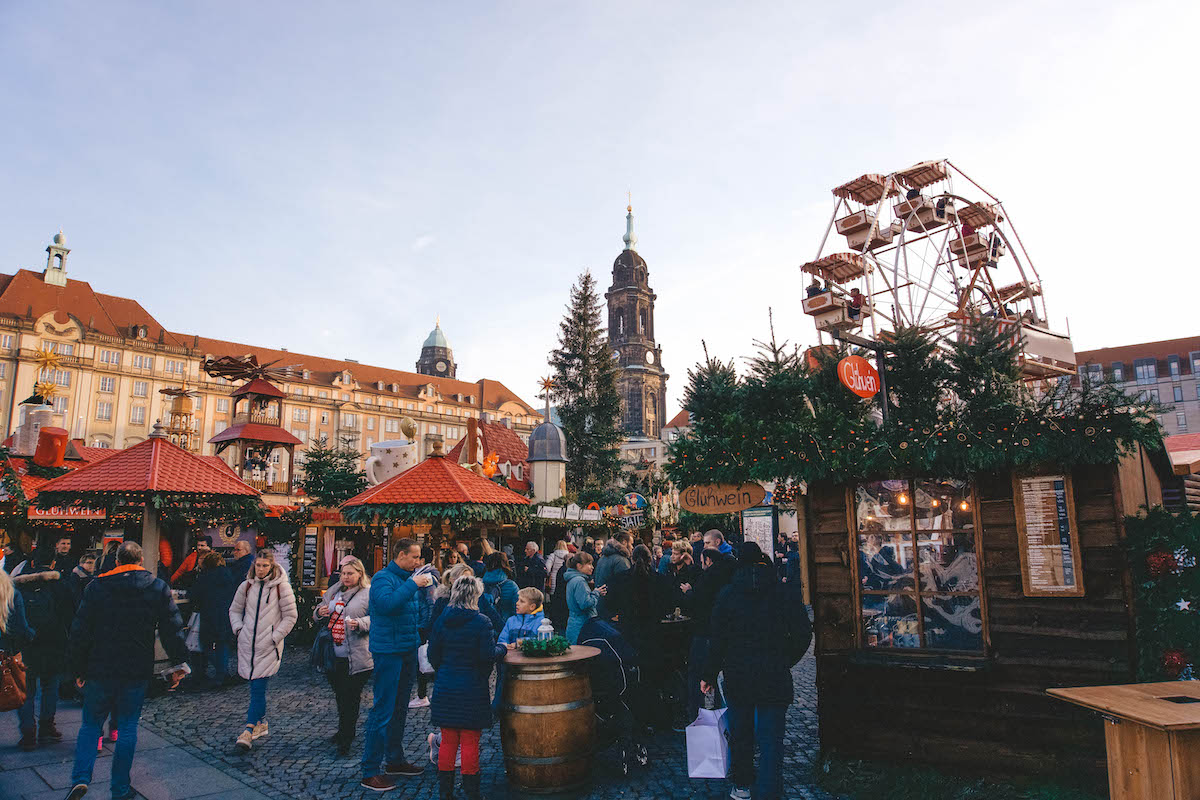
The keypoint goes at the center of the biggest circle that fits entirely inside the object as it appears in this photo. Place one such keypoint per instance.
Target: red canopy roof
(258, 386)
(256, 432)
(436, 480)
(155, 465)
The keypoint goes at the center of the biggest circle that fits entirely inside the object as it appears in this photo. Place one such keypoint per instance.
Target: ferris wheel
(928, 247)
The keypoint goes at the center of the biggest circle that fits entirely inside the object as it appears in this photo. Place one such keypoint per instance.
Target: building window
(1118, 372)
(223, 405)
(62, 348)
(917, 566)
(6, 341)
(345, 397)
(60, 377)
(324, 417)
(324, 395)
(299, 415)
(1093, 374)
(411, 407)
(388, 403)
(3, 370)
(137, 415)
(219, 426)
(349, 420)
(103, 410)
(175, 367)
(391, 426)
(1146, 370)
(60, 405)
(1181, 420)
(429, 409)
(1178, 393)
(108, 384)
(103, 445)
(110, 357)
(301, 434)
(143, 362)
(141, 389)
(370, 423)
(1173, 366)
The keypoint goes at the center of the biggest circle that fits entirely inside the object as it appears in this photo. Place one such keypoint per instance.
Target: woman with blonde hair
(262, 614)
(556, 561)
(344, 607)
(14, 628)
(462, 649)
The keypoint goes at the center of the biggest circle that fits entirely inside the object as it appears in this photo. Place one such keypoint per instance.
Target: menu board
(308, 558)
(758, 526)
(1048, 536)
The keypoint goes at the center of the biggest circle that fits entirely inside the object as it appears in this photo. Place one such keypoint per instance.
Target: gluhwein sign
(857, 374)
(721, 498)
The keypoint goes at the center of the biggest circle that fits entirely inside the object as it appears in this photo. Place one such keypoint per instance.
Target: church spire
(630, 238)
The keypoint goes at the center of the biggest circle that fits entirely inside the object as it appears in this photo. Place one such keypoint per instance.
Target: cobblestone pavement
(297, 761)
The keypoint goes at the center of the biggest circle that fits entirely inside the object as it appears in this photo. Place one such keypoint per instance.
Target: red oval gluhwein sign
(858, 376)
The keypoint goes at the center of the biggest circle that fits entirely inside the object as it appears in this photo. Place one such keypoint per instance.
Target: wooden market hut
(437, 491)
(156, 478)
(944, 609)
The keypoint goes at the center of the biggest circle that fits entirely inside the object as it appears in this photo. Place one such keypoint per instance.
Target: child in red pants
(463, 651)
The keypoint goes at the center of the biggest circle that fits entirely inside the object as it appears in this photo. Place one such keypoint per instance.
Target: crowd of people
(444, 619)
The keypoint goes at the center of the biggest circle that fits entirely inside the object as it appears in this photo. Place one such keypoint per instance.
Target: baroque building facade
(115, 358)
(641, 379)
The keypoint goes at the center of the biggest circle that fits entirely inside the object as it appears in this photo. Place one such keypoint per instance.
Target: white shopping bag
(193, 633)
(708, 745)
(423, 659)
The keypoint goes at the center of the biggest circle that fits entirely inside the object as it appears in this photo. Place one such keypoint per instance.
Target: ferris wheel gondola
(928, 247)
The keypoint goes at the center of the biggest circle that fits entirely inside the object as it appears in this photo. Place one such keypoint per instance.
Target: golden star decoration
(547, 384)
(48, 360)
(45, 389)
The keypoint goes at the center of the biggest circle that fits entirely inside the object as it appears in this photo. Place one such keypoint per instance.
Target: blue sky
(331, 177)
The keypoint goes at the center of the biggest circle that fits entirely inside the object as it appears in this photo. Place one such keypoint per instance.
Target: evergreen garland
(954, 411)
(1162, 561)
(585, 384)
(460, 515)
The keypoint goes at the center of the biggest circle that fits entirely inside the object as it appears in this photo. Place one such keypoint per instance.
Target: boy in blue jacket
(525, 623)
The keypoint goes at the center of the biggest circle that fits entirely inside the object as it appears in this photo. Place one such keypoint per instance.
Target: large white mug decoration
(389, 459)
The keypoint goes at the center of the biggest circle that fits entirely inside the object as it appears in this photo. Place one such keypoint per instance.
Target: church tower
(641, 381)
(56, 261)
(437, 358)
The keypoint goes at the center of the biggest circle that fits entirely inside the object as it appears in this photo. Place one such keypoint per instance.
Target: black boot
(446, 784)
(471, 786)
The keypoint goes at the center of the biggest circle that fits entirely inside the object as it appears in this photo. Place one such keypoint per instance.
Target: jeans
(124, 700)
(395, 674)
(49, 684)
(221, 668)
(749, 724)
(695, 697)
(258, 701)
(347, 692)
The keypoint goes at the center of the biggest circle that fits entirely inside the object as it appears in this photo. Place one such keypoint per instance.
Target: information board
(1048, 536)
(308, 558)
(758, 526)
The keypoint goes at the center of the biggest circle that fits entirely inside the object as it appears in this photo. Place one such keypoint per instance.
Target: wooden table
(548, 720)
(1152, 731)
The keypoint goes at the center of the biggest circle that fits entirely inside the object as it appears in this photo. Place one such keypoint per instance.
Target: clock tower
(641, 381)
(437, 359)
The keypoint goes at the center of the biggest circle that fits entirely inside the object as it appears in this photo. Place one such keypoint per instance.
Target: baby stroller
(614, 675)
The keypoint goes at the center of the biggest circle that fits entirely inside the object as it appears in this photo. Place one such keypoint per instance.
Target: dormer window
(395, 387)
(347, 378)
(379, 385)
(307, 375)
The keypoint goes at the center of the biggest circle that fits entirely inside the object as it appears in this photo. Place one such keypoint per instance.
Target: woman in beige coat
(344, 609)
(262, 614)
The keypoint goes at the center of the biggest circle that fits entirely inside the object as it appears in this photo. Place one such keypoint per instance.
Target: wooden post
(150, 538)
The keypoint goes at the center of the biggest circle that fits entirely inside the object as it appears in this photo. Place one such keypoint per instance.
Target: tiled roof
(436, 480)
(1182, 441)
(258, 386)
(498, 439)
(26, 294)
(155, 465)
(219, 463)
(32, 484)
(680, 420)
(255, 431)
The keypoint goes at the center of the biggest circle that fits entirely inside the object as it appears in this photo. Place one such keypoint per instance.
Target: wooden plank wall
(994, 718)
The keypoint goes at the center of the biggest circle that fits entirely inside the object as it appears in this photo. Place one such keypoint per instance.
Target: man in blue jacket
(111, 649)
(395, 613)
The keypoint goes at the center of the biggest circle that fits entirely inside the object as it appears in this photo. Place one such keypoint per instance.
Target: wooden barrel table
(547, 720)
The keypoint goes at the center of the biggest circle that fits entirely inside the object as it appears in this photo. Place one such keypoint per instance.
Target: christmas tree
(331, 473)
(585, 382)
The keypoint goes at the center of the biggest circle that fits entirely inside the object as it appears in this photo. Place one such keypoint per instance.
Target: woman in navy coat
(212, 594)
(463, 651)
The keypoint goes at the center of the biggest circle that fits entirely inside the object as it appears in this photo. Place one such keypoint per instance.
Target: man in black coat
(112, 650)
(757, 636)
(49, 607)
(241, 562)
(531, 570)
(718, 570)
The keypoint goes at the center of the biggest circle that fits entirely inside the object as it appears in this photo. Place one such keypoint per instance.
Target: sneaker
(378, 783)
(403, 768)
(100, 745)
(260, 730)
(435, 742)
(418, 702)
(77, 791)
(49, 733)
(740, 793)
(245, 740)
(112, 735)
(28, 742)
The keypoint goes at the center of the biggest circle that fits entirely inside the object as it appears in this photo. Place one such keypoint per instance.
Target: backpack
(558, 601)
(494, 592)
(41, 606)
